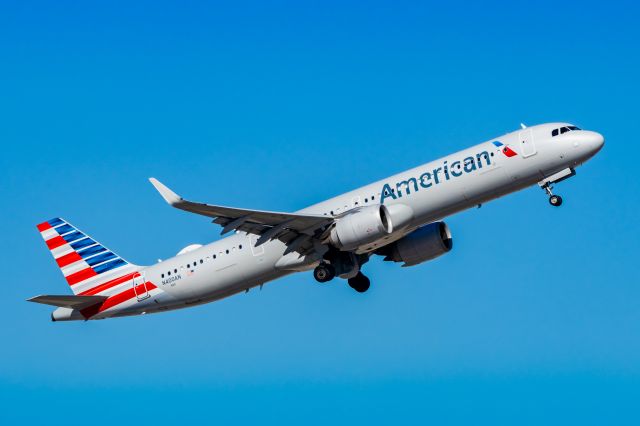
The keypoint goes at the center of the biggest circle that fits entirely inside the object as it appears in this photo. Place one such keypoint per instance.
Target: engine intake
(421, 245)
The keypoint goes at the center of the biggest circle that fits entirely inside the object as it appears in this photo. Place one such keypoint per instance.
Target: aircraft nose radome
(592, 141)
(595, 141)
(599, 141)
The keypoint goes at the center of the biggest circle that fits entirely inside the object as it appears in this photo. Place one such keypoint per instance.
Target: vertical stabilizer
(88, 266)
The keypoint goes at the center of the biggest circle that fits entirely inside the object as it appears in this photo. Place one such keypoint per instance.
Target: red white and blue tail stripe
(86, 264)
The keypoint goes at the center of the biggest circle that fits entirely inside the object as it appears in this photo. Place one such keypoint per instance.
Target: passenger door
(527, 145)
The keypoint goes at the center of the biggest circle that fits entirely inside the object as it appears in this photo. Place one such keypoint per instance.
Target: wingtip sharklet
(169, 196)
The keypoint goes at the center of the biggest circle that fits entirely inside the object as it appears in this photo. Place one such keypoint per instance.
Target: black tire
(324, 273)
(555, 200)
(360, 283)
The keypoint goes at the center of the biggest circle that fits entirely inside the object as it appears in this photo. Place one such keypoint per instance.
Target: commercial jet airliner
(399, 218)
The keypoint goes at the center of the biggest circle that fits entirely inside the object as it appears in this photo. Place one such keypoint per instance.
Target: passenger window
(227, 251)
(162, 275)
(201, 261)
(214, 256)
(175, 271)
(169, 273)
(240, 246)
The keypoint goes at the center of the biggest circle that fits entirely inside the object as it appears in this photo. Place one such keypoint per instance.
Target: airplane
(399, 218)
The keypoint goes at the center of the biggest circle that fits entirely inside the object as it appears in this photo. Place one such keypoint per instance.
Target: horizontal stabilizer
(71, 302)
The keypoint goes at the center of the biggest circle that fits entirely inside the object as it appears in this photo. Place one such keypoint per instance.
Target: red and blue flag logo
(505, 149)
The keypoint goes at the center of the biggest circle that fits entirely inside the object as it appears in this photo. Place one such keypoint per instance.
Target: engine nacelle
(361, 227)
(369, 224)
(421, 245)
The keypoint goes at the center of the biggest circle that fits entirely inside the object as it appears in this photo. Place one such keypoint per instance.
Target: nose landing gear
(554, 200)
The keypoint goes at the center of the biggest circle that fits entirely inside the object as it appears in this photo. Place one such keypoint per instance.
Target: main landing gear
(359, 283)
(325, 272)
(554, 200)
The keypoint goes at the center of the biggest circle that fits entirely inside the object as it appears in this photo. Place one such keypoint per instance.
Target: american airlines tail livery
(399, 218)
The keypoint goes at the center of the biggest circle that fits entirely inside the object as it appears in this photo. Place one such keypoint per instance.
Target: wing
(298, 231)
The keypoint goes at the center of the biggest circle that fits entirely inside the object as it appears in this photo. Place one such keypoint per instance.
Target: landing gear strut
(554, 200)
(359, 283)
(324, 273)
(344, 265)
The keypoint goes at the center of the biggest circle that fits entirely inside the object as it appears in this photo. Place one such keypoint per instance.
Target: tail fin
(85, 263)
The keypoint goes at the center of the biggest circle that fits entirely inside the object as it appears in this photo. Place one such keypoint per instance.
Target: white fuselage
(433, 191)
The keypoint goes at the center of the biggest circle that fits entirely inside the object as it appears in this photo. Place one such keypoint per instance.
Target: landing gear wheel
(324, 273)
(555, 200)
(359, 283)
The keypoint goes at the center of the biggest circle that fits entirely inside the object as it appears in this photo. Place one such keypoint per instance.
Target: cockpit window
(561, 130)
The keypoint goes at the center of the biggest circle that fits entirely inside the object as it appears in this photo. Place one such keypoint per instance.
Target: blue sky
(533, 318)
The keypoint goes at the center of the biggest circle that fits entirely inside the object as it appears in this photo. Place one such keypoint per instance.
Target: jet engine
(369, 224)
(423, 244)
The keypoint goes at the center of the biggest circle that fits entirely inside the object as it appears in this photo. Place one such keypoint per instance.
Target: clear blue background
(534, 318)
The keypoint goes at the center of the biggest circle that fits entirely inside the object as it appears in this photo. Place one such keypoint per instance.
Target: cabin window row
(356, 203)
(195, 263)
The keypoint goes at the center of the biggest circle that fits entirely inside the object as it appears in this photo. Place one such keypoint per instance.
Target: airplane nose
(591, 141)
(595, 141)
